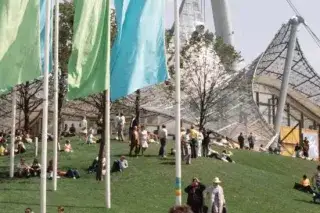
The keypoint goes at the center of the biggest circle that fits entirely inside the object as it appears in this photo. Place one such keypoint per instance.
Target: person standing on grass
(134, 122)
(143, 133)
(205, 142)
(134, 142)
(194, 134)
(199, 145)
(195, 195)
(185, 145)
(218, 203)
(116, 124)
(121, 123)
(84, 128)
(163, 134)
(251, 141)
(241, 140)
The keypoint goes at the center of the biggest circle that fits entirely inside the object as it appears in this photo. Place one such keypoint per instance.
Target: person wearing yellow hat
(217, 199)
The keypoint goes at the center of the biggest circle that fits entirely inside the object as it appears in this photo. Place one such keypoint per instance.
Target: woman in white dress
(143, 139)
(216, 196)
(200, 139)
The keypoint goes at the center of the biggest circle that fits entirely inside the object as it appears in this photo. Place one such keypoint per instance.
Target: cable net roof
(303, 78)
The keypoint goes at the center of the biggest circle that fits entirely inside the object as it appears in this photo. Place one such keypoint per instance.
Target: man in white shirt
(163, 134)
(115, 124)
(121, 123)
(84, 128)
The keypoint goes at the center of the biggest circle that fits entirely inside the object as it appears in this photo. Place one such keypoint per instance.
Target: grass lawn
(256, 183)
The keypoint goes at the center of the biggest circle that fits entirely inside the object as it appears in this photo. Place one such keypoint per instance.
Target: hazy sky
(255, 22)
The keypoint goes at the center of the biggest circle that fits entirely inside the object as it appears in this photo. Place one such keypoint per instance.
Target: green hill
(256, 183)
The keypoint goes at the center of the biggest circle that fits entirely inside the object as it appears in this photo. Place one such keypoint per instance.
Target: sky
(255, 23)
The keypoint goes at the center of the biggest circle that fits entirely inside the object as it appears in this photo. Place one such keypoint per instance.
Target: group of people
(302, 151)
(197, 192)
(194, 143)
(21, 138)
(251, 141)
(60, 210)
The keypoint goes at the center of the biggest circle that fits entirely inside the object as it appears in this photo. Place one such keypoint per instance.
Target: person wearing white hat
(217, 199)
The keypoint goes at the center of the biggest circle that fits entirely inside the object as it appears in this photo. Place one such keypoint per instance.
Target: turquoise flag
(43, 33)
(138, 56)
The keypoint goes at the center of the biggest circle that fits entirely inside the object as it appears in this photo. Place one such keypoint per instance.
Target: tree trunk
(26, 119)
(61, 96)
(137, 106)
(103, 141)
(26, 110)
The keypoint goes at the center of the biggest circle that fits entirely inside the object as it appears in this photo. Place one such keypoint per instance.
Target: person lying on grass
(119, 165)
(23, 169)
(304, 185)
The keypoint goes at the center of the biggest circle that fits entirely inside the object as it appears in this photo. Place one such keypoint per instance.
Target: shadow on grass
(133, 156)
(168, 163)
(306, 201)
(19, 190)
(66, 206)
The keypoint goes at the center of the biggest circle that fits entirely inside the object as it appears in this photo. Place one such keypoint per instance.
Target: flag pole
(13, 130)
(178, 117)
(43, 183)
(56, 90)
(107, 111)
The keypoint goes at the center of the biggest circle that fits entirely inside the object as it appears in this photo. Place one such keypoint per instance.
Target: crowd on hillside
(195, 143)
(21, 139)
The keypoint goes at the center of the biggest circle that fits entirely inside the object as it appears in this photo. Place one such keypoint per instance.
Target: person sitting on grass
(120, 165)
(35, 168)
(50, 171)
(23, 169)
(60, 209)
(181, 209)
(304, 185)
(28, 210)
(316, 182)
(95, 164)
(91, 139)
(3, 150)
(68, 147)
(20, 147)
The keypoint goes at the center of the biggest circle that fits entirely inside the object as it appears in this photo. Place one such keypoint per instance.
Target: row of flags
(22, 35)
(138, 56)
